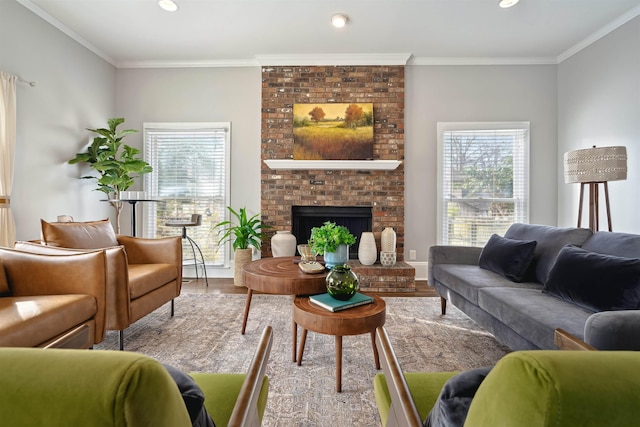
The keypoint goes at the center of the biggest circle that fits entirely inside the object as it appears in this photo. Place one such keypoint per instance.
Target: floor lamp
(592, 167)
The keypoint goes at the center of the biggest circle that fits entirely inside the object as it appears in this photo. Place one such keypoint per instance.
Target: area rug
(204, 336)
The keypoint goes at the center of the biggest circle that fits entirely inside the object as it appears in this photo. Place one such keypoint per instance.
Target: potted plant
(333, 242)
(244, 235)
(117, 164)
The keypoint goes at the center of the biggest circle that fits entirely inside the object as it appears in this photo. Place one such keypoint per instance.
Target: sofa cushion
(30, 321)
(533, 314)
(466, 280)
(595, 281)
(450, 410)
(611, 243)
(79, 235)
(144, 278)
(507, 257)
(549, 242)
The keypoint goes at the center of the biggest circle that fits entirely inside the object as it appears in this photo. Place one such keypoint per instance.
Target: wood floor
(226, 286)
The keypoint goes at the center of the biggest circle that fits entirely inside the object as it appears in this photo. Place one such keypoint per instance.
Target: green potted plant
(332, 241)
(244, 234)
(117, 164)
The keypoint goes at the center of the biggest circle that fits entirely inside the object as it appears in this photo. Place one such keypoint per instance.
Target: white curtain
(7, 148)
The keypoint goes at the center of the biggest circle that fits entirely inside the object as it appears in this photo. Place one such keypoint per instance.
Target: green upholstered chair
(525, 389)
(112, 388)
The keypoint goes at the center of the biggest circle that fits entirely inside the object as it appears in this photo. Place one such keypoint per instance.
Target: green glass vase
(342, 283)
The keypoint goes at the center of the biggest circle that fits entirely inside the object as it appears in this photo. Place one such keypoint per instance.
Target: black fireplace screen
(356, 218)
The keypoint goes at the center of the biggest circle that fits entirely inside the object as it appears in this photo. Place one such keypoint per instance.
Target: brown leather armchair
(142, 274)
(52, 301)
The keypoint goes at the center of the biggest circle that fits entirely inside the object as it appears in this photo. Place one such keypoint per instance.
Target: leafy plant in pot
(332, 241)
(245, 234)
(117, 164)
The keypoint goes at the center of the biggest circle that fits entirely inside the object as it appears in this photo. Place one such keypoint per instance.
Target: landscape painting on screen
(333, 131)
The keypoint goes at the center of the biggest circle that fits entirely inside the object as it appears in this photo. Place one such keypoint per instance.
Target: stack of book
(328, 302)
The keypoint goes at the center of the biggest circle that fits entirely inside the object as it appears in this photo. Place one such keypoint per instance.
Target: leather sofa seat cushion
(466, 280)
(530, 313)
(79, 235)
(145, 278)
(549, 241)
(32, 320)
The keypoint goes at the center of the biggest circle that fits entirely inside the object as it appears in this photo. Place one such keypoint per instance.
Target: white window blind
(190, 175)
(483, 172)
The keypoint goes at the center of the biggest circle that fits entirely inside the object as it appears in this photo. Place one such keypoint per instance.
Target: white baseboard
(421, 267)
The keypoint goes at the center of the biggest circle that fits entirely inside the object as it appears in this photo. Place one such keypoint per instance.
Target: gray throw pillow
(452, 406)
(595, 281)
(507, 257)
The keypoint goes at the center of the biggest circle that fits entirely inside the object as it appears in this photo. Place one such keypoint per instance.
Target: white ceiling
(136, 33)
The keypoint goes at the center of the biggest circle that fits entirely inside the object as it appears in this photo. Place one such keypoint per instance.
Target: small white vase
(388, 240)
(367, 250)
(283, 243)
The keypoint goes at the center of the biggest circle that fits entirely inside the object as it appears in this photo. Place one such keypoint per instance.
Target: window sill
(333, 164)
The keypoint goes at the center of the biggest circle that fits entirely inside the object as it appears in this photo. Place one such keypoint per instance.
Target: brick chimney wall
(282, 87)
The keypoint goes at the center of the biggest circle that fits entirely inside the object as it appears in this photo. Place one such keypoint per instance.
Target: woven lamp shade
(597, 164)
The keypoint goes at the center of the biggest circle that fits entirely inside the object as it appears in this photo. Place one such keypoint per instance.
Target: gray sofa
(523, 316)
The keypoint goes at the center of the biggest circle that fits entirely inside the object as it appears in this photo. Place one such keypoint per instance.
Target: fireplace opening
(356, 218)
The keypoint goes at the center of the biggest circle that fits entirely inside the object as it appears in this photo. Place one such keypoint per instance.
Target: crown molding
(66, 30)
(227, 63)
(599, 34)
(482, 61)
(338, 59)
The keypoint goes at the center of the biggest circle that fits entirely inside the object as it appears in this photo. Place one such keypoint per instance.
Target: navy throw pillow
(452, 406)
(595, 281)
(507, 257)
(193, 397)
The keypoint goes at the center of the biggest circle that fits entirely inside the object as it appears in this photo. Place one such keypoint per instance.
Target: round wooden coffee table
(352, 321)
(280, 276)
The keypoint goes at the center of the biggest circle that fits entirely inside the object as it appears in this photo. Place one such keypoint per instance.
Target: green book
(328, 302)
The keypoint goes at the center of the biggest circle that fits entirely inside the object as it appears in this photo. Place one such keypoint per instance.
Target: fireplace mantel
(333, 164)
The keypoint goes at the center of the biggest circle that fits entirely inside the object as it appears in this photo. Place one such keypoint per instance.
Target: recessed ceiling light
(507, 3)
(168, 5)
(339, 20)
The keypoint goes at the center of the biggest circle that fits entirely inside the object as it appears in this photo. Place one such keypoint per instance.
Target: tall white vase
(388, 240)
(367, 251)
(283, 243)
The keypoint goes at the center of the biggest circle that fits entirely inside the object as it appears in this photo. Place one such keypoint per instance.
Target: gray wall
(75, 89)
(599, 104)
(201, 95)
(469, 94)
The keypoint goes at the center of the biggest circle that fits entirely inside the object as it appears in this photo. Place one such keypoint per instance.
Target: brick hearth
(377, 278)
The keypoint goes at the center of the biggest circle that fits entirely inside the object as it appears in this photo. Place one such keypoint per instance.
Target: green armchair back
(67, 388)
(525, 389)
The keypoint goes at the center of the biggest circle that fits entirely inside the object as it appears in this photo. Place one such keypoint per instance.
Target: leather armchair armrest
(167, 250)
(31, 274)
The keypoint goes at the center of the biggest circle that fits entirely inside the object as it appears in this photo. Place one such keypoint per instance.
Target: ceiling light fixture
(168, 5)
(507, 3)
(339, 20)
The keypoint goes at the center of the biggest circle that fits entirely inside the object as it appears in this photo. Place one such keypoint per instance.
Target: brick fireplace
(380, 190)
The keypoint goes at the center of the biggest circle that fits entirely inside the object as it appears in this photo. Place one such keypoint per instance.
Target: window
(483, 173)
(190, 175)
